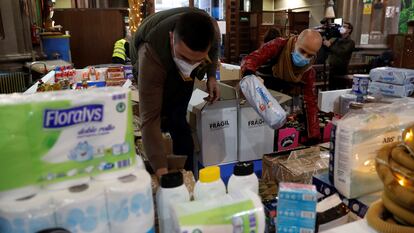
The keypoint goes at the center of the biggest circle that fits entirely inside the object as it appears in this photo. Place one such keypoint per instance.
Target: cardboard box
(296, 208)
(286, 139)
(324, 187)
(328, 101)
(229, 72)
(297, 167)
(217, 133)
(166, 142)
(256, 138)
(216, 126)
(267, 190)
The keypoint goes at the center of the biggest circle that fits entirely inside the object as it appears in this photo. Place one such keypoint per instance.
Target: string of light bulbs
(136, 14)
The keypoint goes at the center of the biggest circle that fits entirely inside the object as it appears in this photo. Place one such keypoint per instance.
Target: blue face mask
(299, 60)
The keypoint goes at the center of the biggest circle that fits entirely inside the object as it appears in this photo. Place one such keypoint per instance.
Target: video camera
(329, 30)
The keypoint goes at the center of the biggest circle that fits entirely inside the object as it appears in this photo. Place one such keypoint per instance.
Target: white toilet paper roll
(115, 174)
(18, 193)
(140, 163)
(67, 184)
(27, 215)
(238, 213)
(81, 209)
(130, 204)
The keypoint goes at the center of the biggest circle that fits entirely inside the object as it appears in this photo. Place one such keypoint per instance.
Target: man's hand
(213, 90)
(327, 43)
(160, 172)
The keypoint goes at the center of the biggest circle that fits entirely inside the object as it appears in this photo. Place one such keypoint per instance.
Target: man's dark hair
(196, 30)
(350, 27)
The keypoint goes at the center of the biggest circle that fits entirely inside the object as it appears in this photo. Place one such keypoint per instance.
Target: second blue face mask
(299, 60)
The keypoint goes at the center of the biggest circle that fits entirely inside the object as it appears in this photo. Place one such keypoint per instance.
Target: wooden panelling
(403, 48)
(93, 33)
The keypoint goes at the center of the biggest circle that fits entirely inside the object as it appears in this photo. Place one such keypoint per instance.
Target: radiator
(12, 82)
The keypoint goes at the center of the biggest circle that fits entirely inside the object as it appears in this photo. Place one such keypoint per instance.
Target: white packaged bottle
(172, 189)
(209, 184)
(243, 178)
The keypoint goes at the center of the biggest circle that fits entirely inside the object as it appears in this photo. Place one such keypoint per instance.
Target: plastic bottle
(243, 178)
(172, 189)
(210, 184)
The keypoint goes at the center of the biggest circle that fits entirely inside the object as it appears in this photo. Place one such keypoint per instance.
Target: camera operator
(329, 31)
(340, 52)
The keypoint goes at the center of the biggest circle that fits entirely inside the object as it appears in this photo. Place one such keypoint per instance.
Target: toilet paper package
(62, 138)
(296, 208)
(27, 215)
(81, 209)
(359, 137)
(263, 102)
(241, 213)
(130, 204)
(391, 89)
(392, 75)
(17, 175)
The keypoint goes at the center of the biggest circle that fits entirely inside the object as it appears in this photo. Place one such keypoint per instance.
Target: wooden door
(408, 59)
(298, 21)
(93, 33)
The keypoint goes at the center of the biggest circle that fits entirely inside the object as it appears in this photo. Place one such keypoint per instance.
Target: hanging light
(329, 12)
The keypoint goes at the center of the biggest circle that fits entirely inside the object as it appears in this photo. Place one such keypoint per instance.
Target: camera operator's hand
(327, 43)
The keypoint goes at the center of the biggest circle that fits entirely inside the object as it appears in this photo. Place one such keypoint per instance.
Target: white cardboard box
(328, 101)
(229, 72)
(216, 126)
(256, 138)
(218, 134)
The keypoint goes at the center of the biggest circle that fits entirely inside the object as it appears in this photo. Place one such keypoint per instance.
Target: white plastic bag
(262, 101)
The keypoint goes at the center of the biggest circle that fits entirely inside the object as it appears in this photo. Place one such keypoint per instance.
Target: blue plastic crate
(57, 44)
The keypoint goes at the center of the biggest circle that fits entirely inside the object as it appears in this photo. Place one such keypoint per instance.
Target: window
(161, 5)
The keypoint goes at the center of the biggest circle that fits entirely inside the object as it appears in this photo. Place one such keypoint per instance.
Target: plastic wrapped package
(358, 137)
(241, 213)
(392, 75)
(298, 167)
(63, 138)
(296, 208)
(262, 101)
(394, 90)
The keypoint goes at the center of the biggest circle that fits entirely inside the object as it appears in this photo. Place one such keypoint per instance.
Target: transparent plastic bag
(359, 137)
(263, 102)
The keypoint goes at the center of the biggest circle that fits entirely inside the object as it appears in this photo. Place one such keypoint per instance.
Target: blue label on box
(296, 210)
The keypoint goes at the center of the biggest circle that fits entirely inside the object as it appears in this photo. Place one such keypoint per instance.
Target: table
(360, 226)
